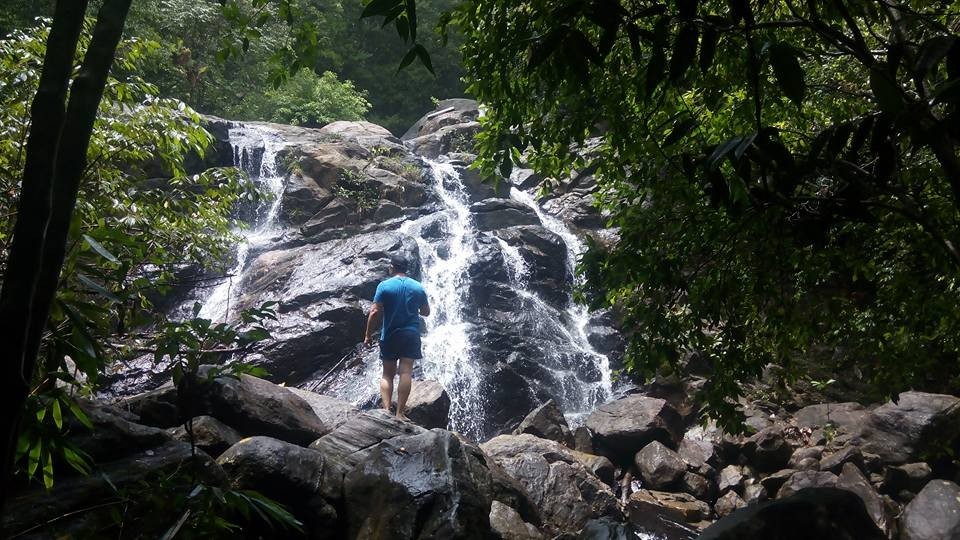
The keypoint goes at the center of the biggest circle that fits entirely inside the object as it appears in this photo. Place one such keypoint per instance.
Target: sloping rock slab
(812, 513)
(254, 406)
(333, 412)
(419, 486)
(352, 442)
(898, 432)
(622, 427)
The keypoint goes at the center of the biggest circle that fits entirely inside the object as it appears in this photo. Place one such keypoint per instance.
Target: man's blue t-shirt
(401, 298)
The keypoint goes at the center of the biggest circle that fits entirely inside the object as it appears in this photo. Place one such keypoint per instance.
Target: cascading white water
(446, 346)
(600, 391)
(246, 141)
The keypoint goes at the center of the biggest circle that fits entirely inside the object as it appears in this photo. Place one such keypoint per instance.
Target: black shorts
(401, 344)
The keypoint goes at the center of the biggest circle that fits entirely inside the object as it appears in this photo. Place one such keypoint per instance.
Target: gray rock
(773, 482)
(450, 138)
(428, 404)
(807, 464)
(507, 524)
(768, 450)
(297, 477)
(755, 493)
(361, 132)
(156, 408)
(426, 485)
(899, 432)
(506, 446)
(814, 513)
(547, 422)
(847, 416)
(659, 466)
(909, 476)
(698, 453)
(852, 479)
(461, 111)
(934, 514)
(209, 434)
(835, 461)
(351, 443)
(491, 214)
(113, 437)
(728, 503)
(302, 198)
(731, 479)
(583, 440)
(624, 426)
(333, 412)
(254, 406)
(567, 493)
(647, 509)
(525, 179)
(806, 479)
(698, 486)
(800, 454)
(479, 188)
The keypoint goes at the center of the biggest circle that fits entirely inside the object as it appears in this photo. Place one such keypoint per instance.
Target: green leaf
(424, 57)
(100, 249)
(680, 130)
(684, 51)
(408, 58)
(789, 74)
(708, 48)
(98, 288)
(47, 470)
(33, 458)
(78, 413)
(722, 150)
(57, 413)
(885, 90)
(379, 7)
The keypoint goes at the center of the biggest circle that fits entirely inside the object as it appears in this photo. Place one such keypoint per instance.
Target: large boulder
(562, 482)
(352, 442)
(659, 466)
(506, 446)
(302, 198)
(848, 416)
(900, 431)
(366, 134)
(447, 112)
(113, 435)
(804, 480)
(447, 139)
(813, 513)
(768, 450)
(428, 404)
(547, 422)
(624, 426)
(157, 408)
(295, 476)
(491, 214)
(419, 486)
(254, 406)
(934, 514)
(659, 512)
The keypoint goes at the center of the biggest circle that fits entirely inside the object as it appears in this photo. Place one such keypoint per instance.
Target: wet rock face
(420, 486)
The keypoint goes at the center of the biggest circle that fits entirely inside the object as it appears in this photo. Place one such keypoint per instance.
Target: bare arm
(374, 321)
(425, 309)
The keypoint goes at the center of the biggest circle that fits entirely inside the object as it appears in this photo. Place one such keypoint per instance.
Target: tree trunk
(55, 162)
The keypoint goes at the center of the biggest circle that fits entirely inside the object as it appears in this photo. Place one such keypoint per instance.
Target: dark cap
(399, 264)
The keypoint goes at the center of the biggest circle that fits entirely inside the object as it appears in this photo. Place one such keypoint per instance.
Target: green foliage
(784, 178)
(351, 186)
(139, 221)
(307, 99)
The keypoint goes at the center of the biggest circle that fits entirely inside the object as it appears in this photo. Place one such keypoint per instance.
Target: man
(398, 304)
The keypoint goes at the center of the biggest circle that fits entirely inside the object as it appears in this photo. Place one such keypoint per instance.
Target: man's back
(401, 298)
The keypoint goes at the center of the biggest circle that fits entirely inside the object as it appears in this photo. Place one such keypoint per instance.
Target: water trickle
(250, 143)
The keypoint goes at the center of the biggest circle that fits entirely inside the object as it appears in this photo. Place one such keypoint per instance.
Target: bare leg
(403, 388)
(386, 383)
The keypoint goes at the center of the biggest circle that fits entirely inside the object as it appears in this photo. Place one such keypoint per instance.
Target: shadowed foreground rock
(420, 486)
(815, 513)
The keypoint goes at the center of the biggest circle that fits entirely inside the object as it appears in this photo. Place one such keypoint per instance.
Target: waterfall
(446, 346)
(247, 143)
(581, 401)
